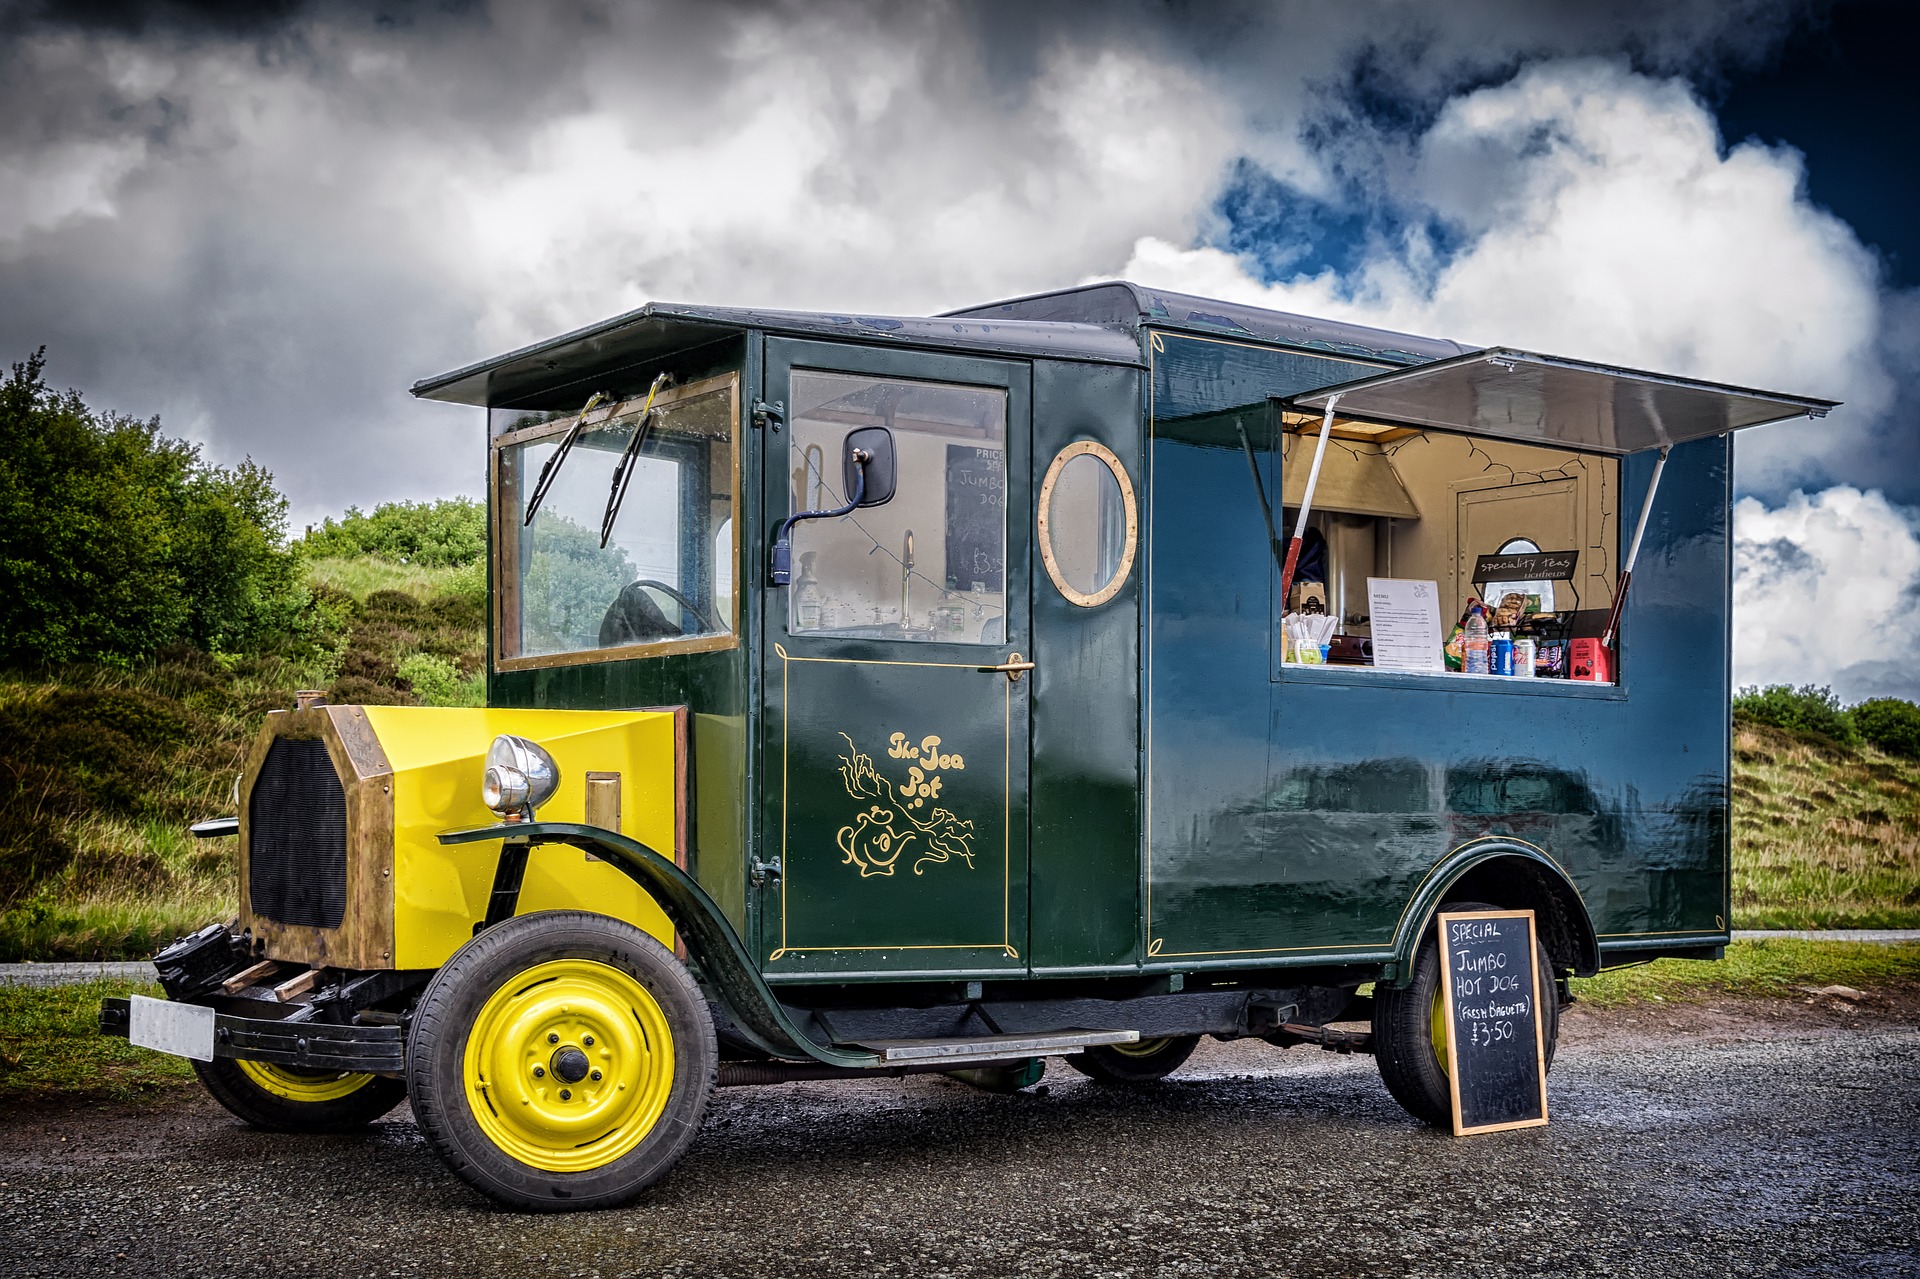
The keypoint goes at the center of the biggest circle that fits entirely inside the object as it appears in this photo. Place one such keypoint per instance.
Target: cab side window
(930, 565)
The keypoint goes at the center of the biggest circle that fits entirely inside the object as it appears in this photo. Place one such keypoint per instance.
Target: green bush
(1889, 723)
(1803, 710)
(116, 541)
(438, 682)
(440, 534)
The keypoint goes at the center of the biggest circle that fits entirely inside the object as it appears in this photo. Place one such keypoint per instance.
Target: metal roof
(1520, 395)
(659, 329)
(1134, 306)
(1500, 392)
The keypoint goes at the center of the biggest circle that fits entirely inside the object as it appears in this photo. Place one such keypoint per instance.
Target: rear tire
(561, 1061)
(291, 1099)
(1130, 1065)
(1409, 1031)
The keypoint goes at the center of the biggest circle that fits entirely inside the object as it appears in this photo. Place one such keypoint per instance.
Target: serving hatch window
(1414, 531)
(615, 531)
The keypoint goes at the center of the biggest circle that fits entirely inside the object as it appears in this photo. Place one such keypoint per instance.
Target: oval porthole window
(1088, 523)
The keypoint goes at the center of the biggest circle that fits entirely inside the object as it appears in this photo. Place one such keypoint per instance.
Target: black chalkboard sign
(1496, 1051)
(976, 517)
(1527, 566)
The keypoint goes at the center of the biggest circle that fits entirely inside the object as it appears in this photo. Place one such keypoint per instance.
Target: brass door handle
(1012, 668)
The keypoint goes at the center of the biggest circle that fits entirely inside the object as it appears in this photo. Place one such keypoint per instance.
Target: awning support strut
(1633, 552)
(1306, 503)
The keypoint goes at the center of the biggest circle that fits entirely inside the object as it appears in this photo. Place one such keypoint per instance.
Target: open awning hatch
(1542, 399)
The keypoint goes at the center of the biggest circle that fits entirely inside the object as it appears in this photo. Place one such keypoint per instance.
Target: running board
(899, 1052)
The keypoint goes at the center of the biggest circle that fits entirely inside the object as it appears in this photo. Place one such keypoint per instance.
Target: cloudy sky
(263, 221)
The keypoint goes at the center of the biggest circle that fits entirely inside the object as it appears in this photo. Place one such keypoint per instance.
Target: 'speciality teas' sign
(1527, 566)
(1496, 1050)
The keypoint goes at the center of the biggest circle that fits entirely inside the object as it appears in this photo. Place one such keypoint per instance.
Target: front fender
(724, 958)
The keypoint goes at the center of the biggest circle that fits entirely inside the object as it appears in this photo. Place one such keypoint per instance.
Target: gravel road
(1729, 1140)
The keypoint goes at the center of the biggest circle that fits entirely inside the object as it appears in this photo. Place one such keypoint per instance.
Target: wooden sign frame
(1447, 1005)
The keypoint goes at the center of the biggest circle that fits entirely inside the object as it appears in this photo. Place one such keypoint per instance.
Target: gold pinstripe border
(1005, 944)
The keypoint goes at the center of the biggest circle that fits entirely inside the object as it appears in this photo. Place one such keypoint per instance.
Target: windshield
(665, 574)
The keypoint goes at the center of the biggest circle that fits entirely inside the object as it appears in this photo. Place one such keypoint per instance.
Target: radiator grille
(297, 837)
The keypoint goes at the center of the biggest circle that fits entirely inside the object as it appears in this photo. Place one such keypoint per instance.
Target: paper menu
(1405, 616)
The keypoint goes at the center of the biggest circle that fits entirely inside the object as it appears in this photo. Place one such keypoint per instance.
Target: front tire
(561, 1061)
(293, 1099)
(1145, 1062)
(1409, 1028)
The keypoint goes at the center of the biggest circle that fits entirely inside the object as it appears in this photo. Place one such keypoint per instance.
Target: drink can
(1523, 654)
(1502, 655)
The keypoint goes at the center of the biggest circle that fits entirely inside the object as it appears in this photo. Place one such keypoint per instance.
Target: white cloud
(827, 189)
(265, 233)
(266, 241)
(1603, 222)
(51, 187)
(1827, 591)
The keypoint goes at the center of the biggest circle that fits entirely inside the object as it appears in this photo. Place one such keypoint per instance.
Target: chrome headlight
(520, 777)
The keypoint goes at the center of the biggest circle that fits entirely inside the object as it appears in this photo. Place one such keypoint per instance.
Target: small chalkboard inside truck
(1496, 1044)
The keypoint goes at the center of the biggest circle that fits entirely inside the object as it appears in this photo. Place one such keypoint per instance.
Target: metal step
(994, 1047)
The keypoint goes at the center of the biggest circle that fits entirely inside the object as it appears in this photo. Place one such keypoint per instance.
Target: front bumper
(309, 1045)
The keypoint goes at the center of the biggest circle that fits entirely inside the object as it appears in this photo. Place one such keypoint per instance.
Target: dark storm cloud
(145, 18)
(265, 221)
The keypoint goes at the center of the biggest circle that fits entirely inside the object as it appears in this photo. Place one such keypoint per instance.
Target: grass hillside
(1825, 835)
(110, 763)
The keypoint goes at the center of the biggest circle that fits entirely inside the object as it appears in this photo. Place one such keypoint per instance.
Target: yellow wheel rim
(1143, 1048)
(296, 1084)
(1437, 1030)
(569, 1065)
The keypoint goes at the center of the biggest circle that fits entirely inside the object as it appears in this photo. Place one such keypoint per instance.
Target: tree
(116, 540)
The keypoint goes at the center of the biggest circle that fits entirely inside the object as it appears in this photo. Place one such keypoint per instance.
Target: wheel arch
(708, 935)
(1514, 876)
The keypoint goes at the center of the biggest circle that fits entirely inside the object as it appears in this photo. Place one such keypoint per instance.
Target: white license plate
(185, 1030)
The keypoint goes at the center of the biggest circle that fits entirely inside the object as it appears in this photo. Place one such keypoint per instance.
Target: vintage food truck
(880, 695)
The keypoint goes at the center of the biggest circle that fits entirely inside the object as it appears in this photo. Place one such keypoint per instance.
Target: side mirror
(866, 468)
(870, 449)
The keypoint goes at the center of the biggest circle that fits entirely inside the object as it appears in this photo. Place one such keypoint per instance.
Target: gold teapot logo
(901, 820)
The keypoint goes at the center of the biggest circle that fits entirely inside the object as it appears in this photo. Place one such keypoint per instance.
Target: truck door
(894, 712)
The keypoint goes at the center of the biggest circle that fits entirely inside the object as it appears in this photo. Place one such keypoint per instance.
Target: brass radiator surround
(364, 939)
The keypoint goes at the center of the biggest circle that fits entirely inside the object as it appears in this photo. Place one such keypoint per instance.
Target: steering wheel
(634, 617)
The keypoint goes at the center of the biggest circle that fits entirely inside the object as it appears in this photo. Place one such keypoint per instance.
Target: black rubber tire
(1151, 1061)
(233, 1088)
(437, 1045)
(1402, 1028)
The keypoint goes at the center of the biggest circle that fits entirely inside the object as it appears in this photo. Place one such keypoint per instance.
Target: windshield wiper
(552, 468)
(623, 470)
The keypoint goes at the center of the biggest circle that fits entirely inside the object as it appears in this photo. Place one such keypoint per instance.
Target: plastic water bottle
(1477, 645)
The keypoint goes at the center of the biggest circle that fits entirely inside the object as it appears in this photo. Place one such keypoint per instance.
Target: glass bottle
(806, 596)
